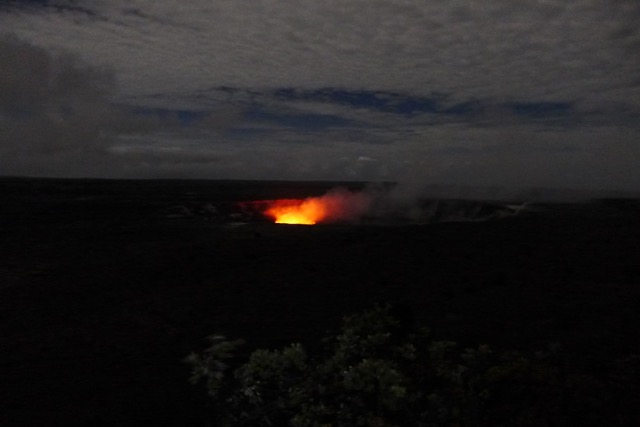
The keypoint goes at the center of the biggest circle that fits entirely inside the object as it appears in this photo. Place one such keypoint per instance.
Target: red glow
(338, 205)
(291, 211)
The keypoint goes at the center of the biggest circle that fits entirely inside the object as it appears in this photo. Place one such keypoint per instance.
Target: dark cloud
(496, 49)
(543, 92)
(58, 118)
(52, 108)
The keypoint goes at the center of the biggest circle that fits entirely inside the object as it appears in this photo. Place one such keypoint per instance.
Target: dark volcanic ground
(106, 286)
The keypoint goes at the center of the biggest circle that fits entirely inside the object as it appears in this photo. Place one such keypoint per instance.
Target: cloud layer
(543, 50)
(540, 93)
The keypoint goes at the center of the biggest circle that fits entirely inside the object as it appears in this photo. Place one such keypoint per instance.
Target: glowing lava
(290, 211)
(338, 205)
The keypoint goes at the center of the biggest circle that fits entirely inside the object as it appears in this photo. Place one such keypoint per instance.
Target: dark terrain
(105, 286)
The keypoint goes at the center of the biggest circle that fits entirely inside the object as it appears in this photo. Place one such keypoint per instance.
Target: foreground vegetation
(381, 371)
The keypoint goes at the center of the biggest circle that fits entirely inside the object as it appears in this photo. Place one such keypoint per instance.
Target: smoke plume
(338, 205)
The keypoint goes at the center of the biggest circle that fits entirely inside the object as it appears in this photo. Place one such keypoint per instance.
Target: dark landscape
(106, 286)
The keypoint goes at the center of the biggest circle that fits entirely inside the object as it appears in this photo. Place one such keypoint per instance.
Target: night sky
(500, 93)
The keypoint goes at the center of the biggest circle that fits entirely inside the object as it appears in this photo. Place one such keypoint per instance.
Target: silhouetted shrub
(375, 372)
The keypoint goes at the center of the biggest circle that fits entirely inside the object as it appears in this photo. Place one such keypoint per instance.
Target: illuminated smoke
(337, 205)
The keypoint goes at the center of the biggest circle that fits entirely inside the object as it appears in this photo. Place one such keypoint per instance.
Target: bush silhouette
(379, 372)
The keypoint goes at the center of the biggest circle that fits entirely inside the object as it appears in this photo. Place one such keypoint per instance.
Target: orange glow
(290, 211)
(338, 205)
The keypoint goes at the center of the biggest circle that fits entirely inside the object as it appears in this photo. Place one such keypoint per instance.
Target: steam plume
(338, 205)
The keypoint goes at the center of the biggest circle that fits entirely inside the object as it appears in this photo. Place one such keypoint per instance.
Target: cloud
(539, 51)
(53, 109)
(445, 91)
(58, 118)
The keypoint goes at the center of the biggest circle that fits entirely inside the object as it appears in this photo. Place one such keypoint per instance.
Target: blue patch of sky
(541, 110)
(37, 2)
(305, 121)
(244, 132)
(60, 7)
(184, 117)
(464, 108)
(24, 3)
(388, 102)
(256, 114)
(556, 113)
